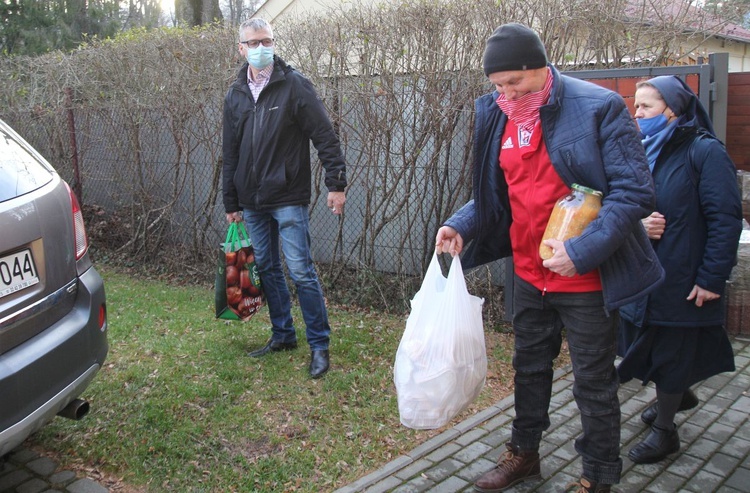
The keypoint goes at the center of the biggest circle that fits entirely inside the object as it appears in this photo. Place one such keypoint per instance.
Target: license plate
(17, 272)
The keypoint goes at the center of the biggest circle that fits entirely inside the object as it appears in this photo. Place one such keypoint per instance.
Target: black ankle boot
(689, 401)
(656, 447)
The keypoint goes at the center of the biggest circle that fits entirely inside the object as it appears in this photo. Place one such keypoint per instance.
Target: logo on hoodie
(508, 144)
(524, 137)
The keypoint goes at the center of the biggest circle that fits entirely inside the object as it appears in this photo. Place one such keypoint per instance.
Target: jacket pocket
(633, 271)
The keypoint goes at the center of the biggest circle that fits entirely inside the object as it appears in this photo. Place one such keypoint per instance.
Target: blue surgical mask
(652, 126)
(260, 57)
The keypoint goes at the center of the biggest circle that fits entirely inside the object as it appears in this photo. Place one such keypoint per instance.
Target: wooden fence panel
(738, 112)
(625, 86)
(738, 120)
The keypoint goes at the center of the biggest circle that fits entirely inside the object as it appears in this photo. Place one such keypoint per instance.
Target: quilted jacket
(591, 140)
(697, 192)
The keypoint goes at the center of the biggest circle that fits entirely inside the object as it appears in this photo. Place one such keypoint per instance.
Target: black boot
(657, 446)
(273, 347)
(689, 401)
(319, 363)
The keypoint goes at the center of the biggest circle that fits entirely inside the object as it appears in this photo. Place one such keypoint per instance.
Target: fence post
(719, 63)
(77, 185)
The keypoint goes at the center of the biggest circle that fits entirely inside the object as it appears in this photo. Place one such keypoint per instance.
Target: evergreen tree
(141, 13)
(197, 12)
(31, 27)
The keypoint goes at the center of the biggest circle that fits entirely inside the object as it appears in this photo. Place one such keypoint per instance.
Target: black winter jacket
(266, 147)
(697, 192)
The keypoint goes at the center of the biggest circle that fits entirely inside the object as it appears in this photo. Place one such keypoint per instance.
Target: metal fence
(151, 183)
(153, 178)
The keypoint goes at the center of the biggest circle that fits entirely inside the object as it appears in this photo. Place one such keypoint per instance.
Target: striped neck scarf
(525, 110)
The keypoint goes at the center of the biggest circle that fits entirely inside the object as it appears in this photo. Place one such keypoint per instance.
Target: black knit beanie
(513, 47)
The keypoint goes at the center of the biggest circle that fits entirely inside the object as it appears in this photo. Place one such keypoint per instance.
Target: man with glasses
(271, 113)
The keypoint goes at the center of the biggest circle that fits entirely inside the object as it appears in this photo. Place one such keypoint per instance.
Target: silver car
(53, 314)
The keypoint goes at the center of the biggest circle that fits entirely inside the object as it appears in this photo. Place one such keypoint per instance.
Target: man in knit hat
(537, 134)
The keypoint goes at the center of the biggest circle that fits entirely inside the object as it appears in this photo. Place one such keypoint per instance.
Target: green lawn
(179, 406)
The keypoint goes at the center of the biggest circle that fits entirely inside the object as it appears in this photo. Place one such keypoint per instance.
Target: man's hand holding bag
(441, 362)
(238, 290)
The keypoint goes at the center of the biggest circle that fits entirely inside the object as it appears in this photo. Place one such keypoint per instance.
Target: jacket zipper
(534, 240)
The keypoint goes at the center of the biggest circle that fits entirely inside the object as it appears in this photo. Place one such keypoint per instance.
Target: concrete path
(715, 436)
(25, 471)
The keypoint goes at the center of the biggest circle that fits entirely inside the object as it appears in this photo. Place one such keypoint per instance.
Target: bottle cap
(588, 190)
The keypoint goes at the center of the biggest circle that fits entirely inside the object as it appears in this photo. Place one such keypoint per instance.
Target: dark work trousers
(538, 322)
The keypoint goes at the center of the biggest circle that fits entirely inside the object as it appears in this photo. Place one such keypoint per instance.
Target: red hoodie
(533, 187)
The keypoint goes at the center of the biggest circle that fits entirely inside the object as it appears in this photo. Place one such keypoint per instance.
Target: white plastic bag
(441, 362)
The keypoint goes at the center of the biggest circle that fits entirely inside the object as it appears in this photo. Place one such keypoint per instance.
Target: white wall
(272, 10)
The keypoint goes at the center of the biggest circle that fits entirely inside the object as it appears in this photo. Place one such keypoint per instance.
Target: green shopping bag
(238, 290)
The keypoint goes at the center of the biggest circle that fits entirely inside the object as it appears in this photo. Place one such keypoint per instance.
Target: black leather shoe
(657, 446)
(689, 401)
(319, 363)
(272, 346)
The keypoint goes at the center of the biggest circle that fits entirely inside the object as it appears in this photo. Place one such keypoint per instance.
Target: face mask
(260, 57)
(653, 125)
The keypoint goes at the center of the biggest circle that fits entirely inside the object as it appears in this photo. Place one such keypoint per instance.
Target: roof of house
(684, 13)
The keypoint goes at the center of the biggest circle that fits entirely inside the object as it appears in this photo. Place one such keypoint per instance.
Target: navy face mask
(652, 126)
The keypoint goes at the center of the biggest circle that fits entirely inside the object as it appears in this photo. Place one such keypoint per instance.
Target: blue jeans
(290, 224)
(538, 321)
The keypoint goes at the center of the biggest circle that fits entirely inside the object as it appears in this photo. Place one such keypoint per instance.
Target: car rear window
(20, 171)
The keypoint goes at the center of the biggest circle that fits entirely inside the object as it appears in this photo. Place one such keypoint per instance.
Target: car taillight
(102, 315)
(82, 241)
